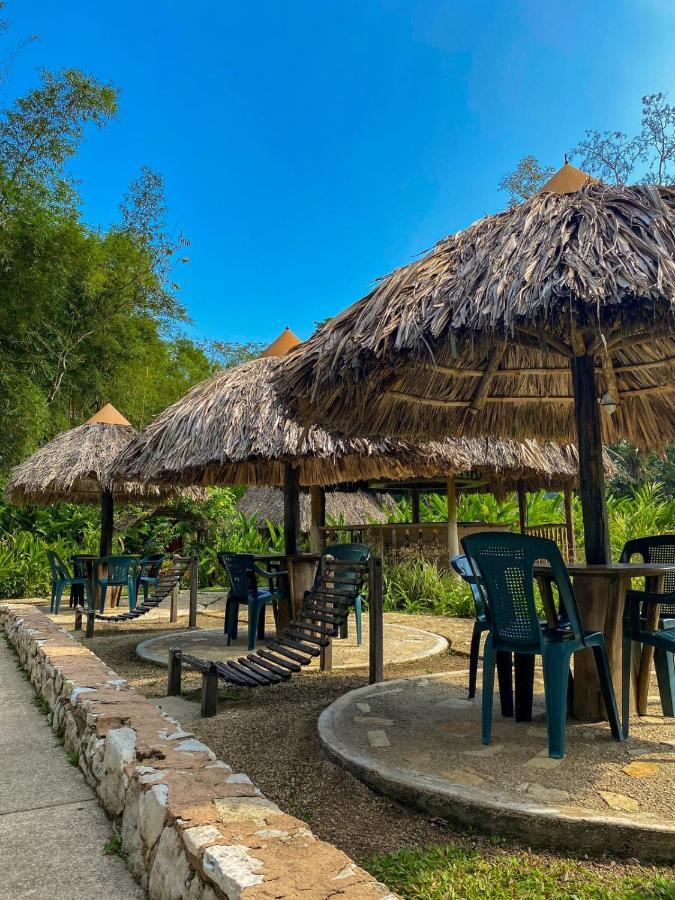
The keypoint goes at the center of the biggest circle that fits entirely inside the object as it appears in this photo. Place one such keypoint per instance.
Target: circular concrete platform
(401, 644)
(419, 741)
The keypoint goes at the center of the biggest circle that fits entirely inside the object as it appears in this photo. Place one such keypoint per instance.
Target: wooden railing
(554, 531)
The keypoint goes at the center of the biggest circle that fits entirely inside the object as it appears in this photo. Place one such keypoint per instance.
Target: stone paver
(52, 830)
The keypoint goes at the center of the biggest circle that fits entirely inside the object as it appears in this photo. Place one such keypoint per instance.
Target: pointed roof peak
(283, 344)
(108, 415)
(566, 180)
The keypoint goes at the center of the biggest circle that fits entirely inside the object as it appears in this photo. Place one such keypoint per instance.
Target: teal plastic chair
(61, 579)
(658, 549)
(503, 565)
(635, 630)
(350, 553)
(147, 573)
(121, 572)
(481, 622)
(242, 571)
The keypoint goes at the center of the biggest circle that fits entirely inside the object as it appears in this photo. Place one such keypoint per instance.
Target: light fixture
(608, 403)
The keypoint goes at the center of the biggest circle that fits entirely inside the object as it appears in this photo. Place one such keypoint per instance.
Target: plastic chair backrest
(150, 565)
(347, 552)
(79, 566)
(59, 569)
(504, 562)
(462, 566)
(119, 568)
(344, 553)
(239, 568)
(657, 548)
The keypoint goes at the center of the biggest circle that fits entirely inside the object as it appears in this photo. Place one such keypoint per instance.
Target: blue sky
(310, 147)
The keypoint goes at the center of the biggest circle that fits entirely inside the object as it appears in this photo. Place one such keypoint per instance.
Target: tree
(612, 156)
(42, 130)
(525, 180)
(615, 157)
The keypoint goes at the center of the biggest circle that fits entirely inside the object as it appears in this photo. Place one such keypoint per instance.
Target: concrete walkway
(52, 830)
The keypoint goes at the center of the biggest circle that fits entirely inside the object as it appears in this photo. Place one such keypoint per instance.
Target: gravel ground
(271, 735)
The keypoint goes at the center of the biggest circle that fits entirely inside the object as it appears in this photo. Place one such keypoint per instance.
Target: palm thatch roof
(348, 507)
(75, 466)
(476, 337)
(233, 429)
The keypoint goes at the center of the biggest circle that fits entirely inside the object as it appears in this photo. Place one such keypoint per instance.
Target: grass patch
(450, 873)
(113, 846)
(73, 758)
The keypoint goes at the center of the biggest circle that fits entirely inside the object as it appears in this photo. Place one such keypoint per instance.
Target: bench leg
(90, 624)
(210, 692)
(175, 672)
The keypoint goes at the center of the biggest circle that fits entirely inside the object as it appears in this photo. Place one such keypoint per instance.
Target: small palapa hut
(74, 467)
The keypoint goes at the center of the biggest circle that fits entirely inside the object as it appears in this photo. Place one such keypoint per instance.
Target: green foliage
(113, 846)
(525, 180)
(418, 587)
(73, 758)
(441, 873)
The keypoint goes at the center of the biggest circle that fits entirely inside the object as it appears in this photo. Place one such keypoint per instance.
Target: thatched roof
(347, 507)
(476, 337)
(75, 466)
(233, 429)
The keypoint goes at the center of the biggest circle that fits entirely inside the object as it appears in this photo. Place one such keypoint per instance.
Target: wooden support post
(317, 496)
(415, 502)
(375, 621)
(175, 672)
(78, 618)
(591, 469)
(90, 624)
(210, 692)
(194, 585)
(173, 613)
(453, 537)
(522, 507)
(291, 509)
(326, 657)
(107, 515)
(569, 524)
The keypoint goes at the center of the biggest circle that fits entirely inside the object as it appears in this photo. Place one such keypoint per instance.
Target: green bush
(418, 586)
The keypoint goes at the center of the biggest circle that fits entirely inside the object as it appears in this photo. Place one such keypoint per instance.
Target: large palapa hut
(234, 429)
(552, 320)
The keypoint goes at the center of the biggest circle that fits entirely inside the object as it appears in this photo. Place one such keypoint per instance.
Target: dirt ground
(271, 735)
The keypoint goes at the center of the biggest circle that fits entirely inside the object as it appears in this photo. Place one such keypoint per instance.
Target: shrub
(418, 586)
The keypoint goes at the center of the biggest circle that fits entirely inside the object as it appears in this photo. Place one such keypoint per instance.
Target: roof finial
(567, 162)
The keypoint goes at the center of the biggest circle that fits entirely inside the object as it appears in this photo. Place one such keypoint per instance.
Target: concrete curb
(569, 827)
(192, 829)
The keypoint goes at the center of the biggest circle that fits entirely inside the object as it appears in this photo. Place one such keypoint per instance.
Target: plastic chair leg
(505, 682)
(57, 597)
(556, 669)
(131, 591)
(261, 622)
(254, 615)
(101, 605)
(489, 659)
(626, 658)
(358, 613)
(231, 614)
(664, 663)
(53, 600)
(473, 659)
(607, 688)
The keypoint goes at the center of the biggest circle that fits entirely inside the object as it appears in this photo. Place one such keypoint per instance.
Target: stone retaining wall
(191, 827)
